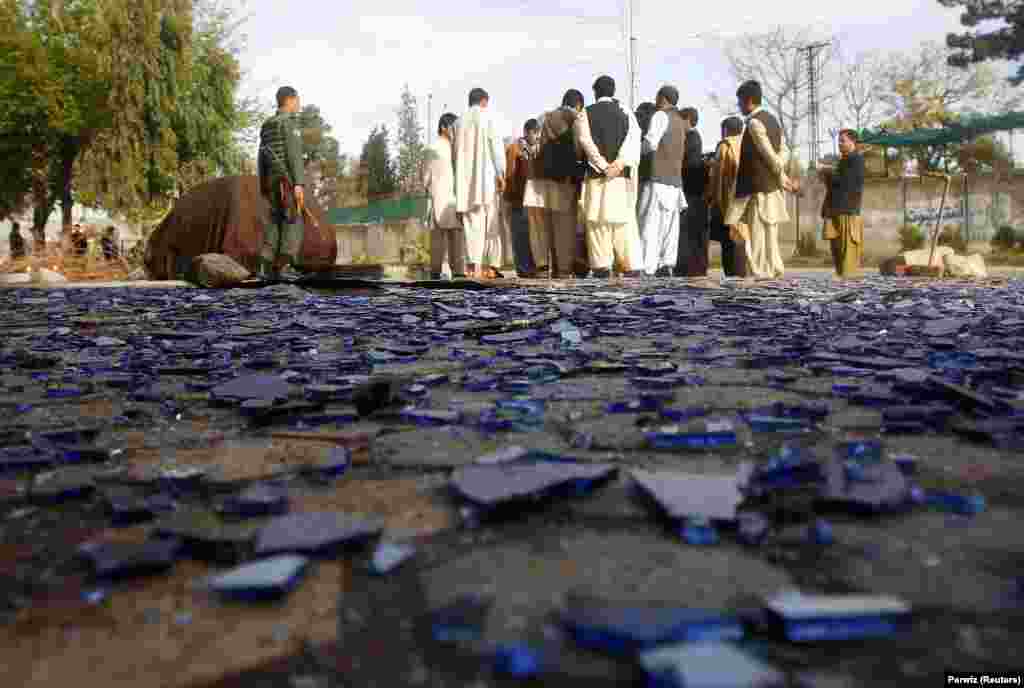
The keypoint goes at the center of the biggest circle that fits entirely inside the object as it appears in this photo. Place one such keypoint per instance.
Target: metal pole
(630, 47)
(430, 118)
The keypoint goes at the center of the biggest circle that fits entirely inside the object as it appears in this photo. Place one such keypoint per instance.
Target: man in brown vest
(661, 184)
(760, 206)
(550, 193)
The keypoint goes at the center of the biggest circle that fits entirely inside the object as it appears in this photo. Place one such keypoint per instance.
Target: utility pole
(813, 111)
(430, 127)
(631, 70)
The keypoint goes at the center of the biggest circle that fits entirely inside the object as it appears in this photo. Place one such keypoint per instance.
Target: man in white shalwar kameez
(607, 130)
(447, 239)
(479, 178)
(760, 205)
(661, 184)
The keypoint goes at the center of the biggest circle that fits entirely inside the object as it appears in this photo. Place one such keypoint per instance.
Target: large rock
(920, 256)
(217, 271)
(15, 278)
(965, 267)
(49, 277)
(897, 265)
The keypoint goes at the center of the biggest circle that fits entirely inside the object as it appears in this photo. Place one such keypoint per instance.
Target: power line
(813, 104)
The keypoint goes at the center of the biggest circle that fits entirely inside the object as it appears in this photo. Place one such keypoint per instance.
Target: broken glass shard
(388, 556)
(258, 500)
(873, 488)
(621, 628)
(503, 455)
(461, 620)
(267, 579)
(681, 496)
(703, 434)
(432, 417)
(698, 531)
(495, 484)
(707, 665)
(820, 533)
(112, 560)
(319, 533)
(265, 387)
(206, 536)
(812, 618)
(518, 661)
(335, 462)
(966, 505)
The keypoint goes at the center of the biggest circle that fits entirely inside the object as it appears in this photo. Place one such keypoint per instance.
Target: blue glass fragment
(267, 579)
(461, 620)
(623, 628)
(432, 417)
(967, 505)
(115, 560)
(812, 618)
(865, 451)
(707, 665)
(517, 661)
(752, 528)
(314, 533)
(698, 531)
(762, 423)
(820, 533)
(681, 415)
(258, 500)
(388, 556)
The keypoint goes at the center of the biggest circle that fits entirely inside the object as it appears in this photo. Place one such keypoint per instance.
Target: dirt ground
(342, 626)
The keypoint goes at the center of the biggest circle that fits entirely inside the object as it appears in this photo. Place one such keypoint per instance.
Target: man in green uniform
(282, 178)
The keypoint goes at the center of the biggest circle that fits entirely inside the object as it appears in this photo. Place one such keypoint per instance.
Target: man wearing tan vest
(661, 184)
(720, 193)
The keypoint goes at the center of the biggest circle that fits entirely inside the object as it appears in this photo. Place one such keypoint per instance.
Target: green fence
(379, 212)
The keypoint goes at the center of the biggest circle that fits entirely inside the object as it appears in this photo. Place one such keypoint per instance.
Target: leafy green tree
(52, 91)
(1005, 42)
(382, 177)
(410, 144)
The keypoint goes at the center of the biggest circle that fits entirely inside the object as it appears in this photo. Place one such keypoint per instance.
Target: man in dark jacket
(282, 181)
(692, 258)
(844, 227)
(18, 249)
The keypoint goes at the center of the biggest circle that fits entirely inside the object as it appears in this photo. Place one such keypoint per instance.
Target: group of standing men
(648, 199)
(627, 184)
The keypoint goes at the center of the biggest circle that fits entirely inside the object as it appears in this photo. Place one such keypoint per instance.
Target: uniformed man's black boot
(264, 269)
(288, 272)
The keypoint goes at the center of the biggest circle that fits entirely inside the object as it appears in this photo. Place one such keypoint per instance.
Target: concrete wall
(380, 243)
(991, 203)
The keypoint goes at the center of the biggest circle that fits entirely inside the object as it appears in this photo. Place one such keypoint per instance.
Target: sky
(352, 59)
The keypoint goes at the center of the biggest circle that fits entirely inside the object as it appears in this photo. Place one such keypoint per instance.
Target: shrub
(1005, 239)
(911, 237)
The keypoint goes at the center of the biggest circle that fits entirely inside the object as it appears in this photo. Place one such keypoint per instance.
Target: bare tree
(922, 81)
(776, 61)
(862, 78)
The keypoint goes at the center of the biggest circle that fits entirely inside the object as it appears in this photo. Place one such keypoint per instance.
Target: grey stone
(217, 271)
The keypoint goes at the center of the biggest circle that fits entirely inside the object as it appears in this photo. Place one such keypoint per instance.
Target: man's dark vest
(608, 127)
(755, 174)
(667, 158)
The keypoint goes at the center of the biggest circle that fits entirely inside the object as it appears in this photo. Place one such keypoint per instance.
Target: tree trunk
(42, 200)
(68, 153)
